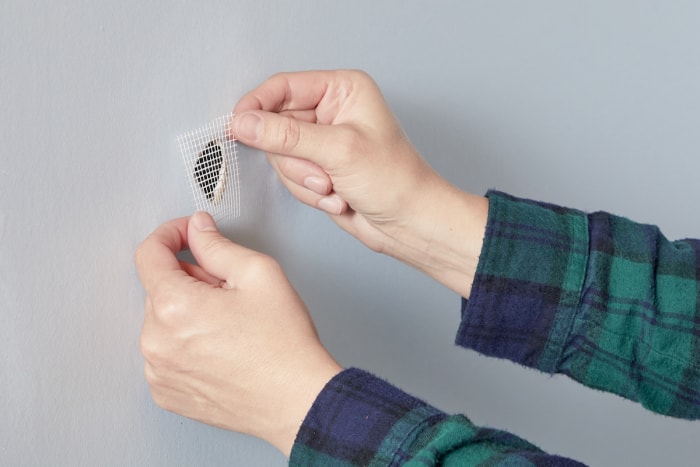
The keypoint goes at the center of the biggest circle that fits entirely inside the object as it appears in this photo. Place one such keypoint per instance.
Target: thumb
(214, 253)
(288, 136)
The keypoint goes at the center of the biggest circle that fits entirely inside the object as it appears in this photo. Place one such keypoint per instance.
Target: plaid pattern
(609, 302)
(361, 420)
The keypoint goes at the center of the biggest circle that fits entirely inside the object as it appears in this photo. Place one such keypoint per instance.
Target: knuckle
(359, 79)
(261, 266)
(161, 390)
(150, 375)
(216, 245)
(160, 334)
(151, 351)
(280, 75)
(360, 76)
(289, 135)
(165, 300)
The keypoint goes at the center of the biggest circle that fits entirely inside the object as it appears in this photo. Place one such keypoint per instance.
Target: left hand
(227, 342)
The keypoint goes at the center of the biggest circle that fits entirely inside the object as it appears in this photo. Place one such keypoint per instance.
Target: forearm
(444, 237)
(359, 419)
(607, 301)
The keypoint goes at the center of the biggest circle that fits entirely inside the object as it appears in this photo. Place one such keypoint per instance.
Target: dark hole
(208, 166)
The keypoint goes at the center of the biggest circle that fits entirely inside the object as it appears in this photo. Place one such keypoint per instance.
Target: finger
(281, 134)
(302, 172)
(328, 202)
(155, 258)
(308, 115)
(216, 254)
(200, 274)
(288, 91)
(304, 115)
(327, 93)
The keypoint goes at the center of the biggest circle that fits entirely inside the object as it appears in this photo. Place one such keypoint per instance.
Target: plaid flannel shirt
(608, 302)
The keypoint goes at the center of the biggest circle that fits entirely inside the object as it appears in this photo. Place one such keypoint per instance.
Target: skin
(228, 341)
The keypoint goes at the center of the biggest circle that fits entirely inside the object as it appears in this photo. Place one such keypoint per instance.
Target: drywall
(588, 104)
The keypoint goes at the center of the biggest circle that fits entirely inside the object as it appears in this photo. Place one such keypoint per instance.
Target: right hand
(336, 146)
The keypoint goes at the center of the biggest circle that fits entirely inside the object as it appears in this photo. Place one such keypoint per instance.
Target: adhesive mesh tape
(211, 165)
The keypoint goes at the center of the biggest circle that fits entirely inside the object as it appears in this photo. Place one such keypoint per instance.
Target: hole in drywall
(210, 171)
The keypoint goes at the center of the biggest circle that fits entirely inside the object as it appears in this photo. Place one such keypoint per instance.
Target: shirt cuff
(359, 419)
(528, 282)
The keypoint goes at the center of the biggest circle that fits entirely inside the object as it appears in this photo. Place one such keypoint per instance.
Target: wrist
(444, 237)
(302, 387)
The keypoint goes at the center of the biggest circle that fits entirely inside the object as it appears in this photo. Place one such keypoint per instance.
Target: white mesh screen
(211, 164)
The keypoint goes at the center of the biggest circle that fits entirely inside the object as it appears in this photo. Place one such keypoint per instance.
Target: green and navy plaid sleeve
(607, 301)
(361, 420)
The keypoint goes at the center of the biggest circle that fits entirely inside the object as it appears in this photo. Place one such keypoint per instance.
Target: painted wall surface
(593, 105)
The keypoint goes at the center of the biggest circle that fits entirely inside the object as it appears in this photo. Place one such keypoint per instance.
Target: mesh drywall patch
(211, 164)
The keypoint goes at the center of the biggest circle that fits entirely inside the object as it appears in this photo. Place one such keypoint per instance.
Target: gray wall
(588, 104)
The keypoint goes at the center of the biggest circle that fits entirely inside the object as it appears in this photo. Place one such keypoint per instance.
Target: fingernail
(248, 127)
(317, 185)
(330, 204)
(203, 222)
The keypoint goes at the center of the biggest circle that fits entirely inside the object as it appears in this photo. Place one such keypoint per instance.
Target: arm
(605, 300)
(228, 342)
(360, 419)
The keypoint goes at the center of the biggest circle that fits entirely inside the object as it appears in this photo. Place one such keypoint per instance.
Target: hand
(336, 146)
(227, 342)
